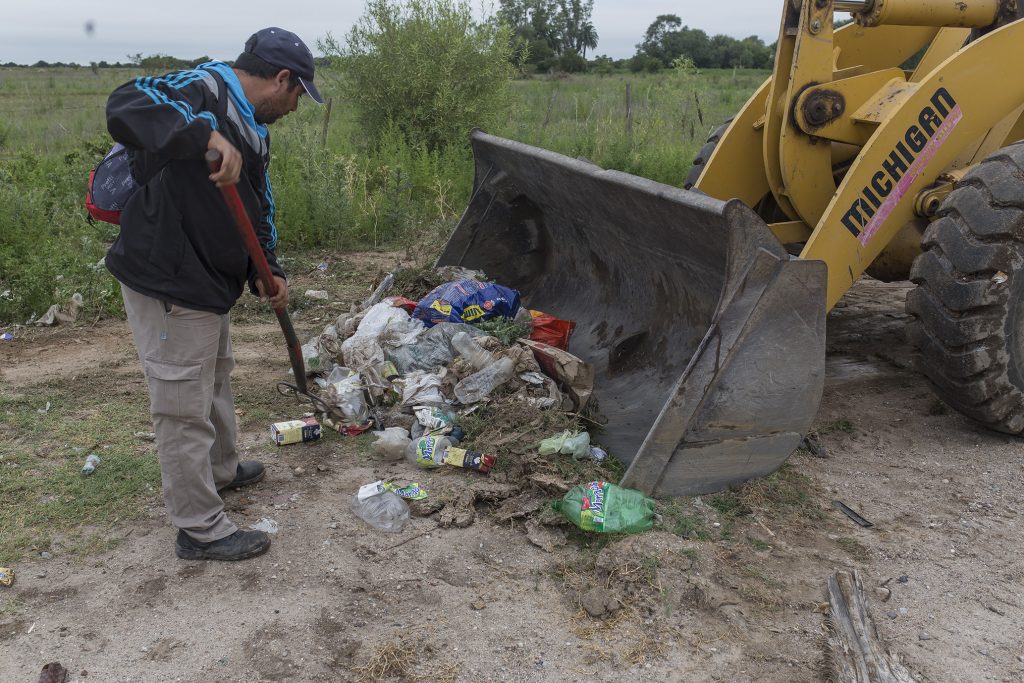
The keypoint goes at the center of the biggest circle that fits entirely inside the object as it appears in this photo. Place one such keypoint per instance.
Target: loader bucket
(706, 338)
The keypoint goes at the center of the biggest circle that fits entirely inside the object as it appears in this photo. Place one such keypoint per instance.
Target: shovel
(252, 244)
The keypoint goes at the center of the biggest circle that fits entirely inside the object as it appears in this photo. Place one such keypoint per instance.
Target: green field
(338, 195)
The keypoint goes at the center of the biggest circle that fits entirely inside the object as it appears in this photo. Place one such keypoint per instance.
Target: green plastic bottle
(607, 508)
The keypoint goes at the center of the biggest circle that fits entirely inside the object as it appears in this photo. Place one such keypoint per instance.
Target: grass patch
(785, 492)
(841, 425)
(759, 545)
(43, 496)
(854, 548)
(678, 518)
(9, 607)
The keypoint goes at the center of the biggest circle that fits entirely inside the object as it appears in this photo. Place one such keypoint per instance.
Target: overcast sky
(55, 30)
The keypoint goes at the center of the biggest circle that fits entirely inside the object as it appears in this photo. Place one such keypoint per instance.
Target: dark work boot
(240, 545)
(248, 472)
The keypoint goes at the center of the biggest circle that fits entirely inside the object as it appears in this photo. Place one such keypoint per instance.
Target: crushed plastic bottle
(91, 463)
(479, 385)
(465, 346)
(607, 508)
(385, 511)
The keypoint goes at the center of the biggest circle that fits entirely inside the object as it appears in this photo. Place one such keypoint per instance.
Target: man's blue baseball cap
(286, 50)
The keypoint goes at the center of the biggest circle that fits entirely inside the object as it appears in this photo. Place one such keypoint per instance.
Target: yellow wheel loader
(887, 146)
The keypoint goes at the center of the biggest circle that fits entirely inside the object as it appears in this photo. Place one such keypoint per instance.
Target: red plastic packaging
(547, 329)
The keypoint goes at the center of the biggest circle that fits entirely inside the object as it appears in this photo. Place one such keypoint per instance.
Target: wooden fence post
(327, 122)
(629, 112)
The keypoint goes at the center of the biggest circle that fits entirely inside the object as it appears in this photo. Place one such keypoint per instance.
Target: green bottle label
(592, 512)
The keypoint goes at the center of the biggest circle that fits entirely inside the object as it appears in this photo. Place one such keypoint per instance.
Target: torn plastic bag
(422, 388)
(62, 314)
(383, 325)
(345, 392)
(576, 444)
(432, 349)
(391, 443)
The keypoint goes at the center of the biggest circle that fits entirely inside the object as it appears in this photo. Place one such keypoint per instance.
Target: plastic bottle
(607, 508)
(428, 451)
(472, 352)
(479, 385)
(91, 463)
(470, 460)
(384, 511)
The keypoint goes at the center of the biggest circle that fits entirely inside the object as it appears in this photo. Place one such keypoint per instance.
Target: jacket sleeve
(266, 231)
(167, 115)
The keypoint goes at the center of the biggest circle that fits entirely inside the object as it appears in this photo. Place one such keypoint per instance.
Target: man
(182, 264)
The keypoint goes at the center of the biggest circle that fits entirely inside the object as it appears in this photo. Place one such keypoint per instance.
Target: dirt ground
(334, 600)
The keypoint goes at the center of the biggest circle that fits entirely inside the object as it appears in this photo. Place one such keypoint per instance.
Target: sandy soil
(333, 598)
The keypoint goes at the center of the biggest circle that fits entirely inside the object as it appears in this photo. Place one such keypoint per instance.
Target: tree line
(555, 35)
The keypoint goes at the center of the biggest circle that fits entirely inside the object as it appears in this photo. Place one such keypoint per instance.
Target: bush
(571, 62)
(426, 68)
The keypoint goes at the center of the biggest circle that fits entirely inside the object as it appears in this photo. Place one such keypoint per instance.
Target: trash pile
(414, 371)
(398, 364)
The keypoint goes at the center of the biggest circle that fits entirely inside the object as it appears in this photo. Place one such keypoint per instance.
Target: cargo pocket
(175, 390)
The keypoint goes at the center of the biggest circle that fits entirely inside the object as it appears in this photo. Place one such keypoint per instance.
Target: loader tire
(968, 305)
(704, 154)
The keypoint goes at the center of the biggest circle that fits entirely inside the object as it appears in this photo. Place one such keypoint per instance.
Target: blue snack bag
(467, 301)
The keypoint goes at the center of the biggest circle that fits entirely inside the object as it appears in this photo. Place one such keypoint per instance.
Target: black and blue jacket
(178, 242)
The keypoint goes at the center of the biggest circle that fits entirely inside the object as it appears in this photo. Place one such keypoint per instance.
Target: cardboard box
(295, 431)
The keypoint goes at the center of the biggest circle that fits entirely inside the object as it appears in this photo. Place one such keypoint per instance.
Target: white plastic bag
(382, 325)
(384, 511)
(422, 388)
(391, 443)
(345, 392)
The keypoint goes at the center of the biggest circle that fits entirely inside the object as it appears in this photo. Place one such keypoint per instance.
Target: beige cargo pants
(186, 356)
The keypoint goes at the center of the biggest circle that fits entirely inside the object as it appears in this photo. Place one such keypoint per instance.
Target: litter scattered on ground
(67, 313)
(320, 294)
(295, 431)
(91, 463)
(413, 491)
(146, 436)
(839, 505)
(6, 576)
(603, 507)
(6, 336)
(265, 524)
(576, 444)
(450, 370)
(322, 267)
(45, 409)
(381, 509)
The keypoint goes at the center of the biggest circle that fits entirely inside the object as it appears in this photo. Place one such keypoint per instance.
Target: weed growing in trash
(43, 496)
(504, 329)
(416, 282)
